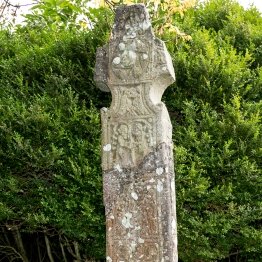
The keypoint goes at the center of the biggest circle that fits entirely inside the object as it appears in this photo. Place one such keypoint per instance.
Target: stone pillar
(137, 161)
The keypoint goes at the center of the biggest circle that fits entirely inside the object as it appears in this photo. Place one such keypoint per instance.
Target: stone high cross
(137, 161)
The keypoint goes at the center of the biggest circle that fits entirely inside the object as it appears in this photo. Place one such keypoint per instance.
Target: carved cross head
(134, 57)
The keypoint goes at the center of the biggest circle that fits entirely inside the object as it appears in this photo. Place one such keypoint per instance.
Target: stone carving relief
(130, 225)
(130, 201)
(132, 103)
(131, 141)
(130, 61)
(132, 53)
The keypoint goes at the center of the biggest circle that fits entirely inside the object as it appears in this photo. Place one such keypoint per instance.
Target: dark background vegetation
(50, 177)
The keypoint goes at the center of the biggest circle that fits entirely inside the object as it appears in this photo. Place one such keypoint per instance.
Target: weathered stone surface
(137, 161)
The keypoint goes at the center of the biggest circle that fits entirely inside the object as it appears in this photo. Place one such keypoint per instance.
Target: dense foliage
(50, 182)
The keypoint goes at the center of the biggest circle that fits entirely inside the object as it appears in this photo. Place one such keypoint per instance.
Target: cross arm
(101, 68)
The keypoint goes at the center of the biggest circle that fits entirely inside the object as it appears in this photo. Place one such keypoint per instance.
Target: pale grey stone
(137, 160)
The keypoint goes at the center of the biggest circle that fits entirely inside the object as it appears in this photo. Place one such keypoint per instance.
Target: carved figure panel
(131, 48)
(131, 141)
(132, 103)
